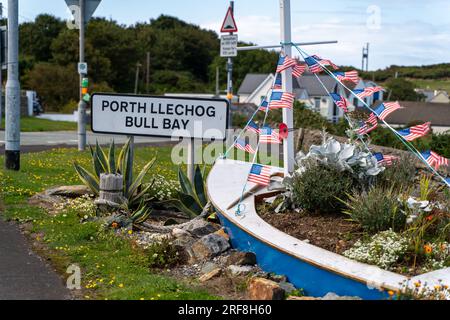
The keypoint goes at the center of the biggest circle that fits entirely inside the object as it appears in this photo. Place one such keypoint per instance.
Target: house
(414, 111)
(310, 89)
(434, 96)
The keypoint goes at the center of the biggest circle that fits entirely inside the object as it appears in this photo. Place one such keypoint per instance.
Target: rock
(212, 274)
(287, 287)
(208, 267)
(200, 228)
(208, 247)
(69, 191)
(239, 270)
(302, 298)
(277, 278)
(334, 296)
(222, 233)
(180, 233)
(241, 258)
(264, 289)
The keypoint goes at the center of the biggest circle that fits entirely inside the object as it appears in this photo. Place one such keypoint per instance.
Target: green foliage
(135, 191)
(192, 198)
(163, 254)
(376, 210)
(401, 89)
(434, 71)
(319, 188)
(400, 175)
(440, 143)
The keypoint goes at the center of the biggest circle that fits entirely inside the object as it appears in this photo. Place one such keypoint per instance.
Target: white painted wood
(224, 185)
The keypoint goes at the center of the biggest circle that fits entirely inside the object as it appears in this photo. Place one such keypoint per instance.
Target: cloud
(408, 43)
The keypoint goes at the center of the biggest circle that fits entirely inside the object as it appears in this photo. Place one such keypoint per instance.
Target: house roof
(313, 86)
(251, 82)
(437, 113)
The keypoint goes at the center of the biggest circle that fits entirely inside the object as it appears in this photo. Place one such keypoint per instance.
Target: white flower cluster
(83, 205)
(164, 189)
(383, 249)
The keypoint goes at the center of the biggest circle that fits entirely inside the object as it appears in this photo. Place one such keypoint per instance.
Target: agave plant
(341, 156)
(133, 191)
(192, 198)
(123, 219)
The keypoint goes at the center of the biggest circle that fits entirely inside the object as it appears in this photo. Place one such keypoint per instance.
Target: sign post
(82, 11)
(229, 49)
(172, 117)
(4, 64)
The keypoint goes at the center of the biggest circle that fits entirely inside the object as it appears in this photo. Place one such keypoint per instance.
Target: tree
(401, 89)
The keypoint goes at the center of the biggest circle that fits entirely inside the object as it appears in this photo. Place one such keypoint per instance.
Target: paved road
(46, 140)
(23, 274)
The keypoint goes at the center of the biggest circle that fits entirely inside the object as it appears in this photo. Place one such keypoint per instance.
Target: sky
(401, 32)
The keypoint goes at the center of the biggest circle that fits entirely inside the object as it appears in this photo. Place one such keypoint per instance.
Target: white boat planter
(314, 269)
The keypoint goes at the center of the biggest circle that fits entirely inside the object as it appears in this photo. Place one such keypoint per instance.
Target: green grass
(443, 84)
(30, 124)
(112, 267)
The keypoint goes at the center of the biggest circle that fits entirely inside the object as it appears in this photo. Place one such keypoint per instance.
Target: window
(317, 104)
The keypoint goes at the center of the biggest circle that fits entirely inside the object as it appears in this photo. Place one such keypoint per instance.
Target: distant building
(415, 112)
(309, 89)
(434, 96)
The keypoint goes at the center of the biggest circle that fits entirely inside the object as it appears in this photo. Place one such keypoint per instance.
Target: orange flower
(430, 217)
(391, 293)
(114, 225)
(428, 249)
(417, 284)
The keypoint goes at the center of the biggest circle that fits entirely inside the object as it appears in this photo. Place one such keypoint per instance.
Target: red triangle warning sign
(229, 24)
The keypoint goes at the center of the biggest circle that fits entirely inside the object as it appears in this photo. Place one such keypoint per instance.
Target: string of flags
(279, 99)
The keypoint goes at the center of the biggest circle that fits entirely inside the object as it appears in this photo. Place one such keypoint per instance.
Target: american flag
(285, 62)
(347, 76)
(253, 127)
(362, 93)
(263, 105)
(278, 82)
(259, 174)
(385, 160)
(315, 63)
(439, 160)
(340, 101)
(369, 125)
(385, 109)
(298, 70)
(242, 145)
(413, 133)
(268, 135)
(280, 99)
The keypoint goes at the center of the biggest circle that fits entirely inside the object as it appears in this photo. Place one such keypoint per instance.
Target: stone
(334, 296)
(287, 287)
(241, 258)
(239, 270)
(69, 191)
(180, 233)
(264, 289)
(212, 274)
(208, 267)
(277, 278)
(209, 246)
(302, 298)
(222, 233)
(200, 228)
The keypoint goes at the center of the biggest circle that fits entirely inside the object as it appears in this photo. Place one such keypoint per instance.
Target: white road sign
(82, 68)
(89, 8)
(228, 45)
(159, 116)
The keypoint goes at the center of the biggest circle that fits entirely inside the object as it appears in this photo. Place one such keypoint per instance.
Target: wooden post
(111, 190)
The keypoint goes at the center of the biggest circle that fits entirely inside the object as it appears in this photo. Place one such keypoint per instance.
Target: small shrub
(319, 188)
(376, 210)
(401, 174)
(383, 249)
(163, 254)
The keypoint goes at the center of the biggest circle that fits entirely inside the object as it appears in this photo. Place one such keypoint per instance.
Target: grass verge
(112, 267)
(30, 124)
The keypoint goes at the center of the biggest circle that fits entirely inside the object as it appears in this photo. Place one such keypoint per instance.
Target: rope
(406, 143)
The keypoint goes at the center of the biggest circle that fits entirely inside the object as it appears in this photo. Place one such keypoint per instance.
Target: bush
(376, 210)
(400, 175)
(163, 254)
(319, 188)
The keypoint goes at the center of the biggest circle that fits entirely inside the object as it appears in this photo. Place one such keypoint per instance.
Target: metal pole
(274, 46)
(217, 83)
(230, 78)
(288, 145)
(82, 103)
(131, 137)
(12, 118)
(191, 160)
(1, 91)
